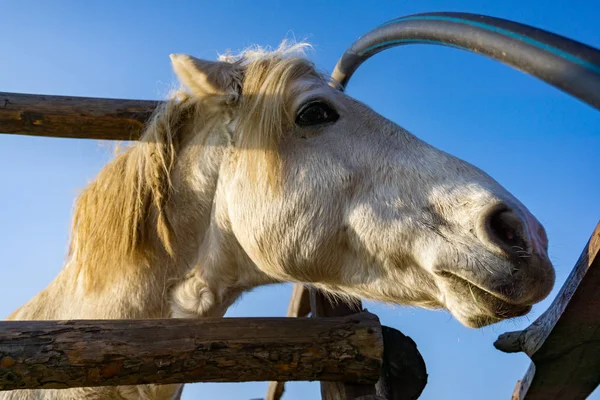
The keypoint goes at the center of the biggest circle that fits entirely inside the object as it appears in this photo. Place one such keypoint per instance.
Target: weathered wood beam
(73, 117)
(321, 306)
(55, 354)
(404, 374)
(299, 306)
(564, 342)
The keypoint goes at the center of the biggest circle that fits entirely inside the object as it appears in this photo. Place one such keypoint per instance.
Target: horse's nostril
(507, 230)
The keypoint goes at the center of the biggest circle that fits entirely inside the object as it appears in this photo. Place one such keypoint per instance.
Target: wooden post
(73, 117)
(54, 354)
(564, 342)
(404, 374)
(299, 302)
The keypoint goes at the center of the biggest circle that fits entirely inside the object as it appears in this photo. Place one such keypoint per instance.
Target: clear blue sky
(538, 142)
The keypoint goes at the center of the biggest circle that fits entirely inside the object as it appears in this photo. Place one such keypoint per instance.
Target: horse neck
(143, 291)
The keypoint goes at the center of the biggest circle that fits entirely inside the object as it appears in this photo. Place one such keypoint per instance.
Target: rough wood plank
(73, 117)
(564, 342)
(299, 306)
(522, 385)
(54, 354)
(403, 376)
(321, 306)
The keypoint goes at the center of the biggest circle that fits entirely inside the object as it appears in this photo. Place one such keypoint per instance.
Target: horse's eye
(316, 113)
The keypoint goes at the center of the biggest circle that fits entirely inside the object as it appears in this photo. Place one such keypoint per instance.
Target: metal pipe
(563, 63)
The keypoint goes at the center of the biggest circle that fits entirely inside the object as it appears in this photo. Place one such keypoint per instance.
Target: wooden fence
(564, 342)
(345, 348)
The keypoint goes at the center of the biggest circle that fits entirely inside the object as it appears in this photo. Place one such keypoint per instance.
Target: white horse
(261, 172)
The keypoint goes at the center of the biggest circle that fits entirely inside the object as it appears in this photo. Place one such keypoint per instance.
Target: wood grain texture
(564, 342)
(73, 117)
(321, 306)
(404, 374)
(55, 354)
(299, 306)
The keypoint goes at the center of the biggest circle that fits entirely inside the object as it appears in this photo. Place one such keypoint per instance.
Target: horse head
(318, 188)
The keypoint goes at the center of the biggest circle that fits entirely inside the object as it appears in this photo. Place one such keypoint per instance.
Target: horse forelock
(264, 109)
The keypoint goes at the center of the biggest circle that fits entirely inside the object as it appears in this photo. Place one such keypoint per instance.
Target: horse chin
(479, 321)
(476, 307)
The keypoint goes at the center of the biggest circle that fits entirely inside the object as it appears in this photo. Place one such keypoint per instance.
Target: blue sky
(539, 143)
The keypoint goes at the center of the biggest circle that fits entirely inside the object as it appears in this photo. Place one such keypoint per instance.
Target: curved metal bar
(564, 63)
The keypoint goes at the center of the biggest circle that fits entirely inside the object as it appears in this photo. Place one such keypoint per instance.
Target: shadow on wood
(404, 373)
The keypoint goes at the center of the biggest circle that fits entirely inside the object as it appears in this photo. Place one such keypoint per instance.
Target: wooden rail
(321, 306)
(298, 307)
(403, 375)
(564, 342)
(54, 354)
(73, 117)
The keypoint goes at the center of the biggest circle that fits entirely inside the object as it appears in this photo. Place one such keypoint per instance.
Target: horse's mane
(120, 219)
(263, 111)
(119, 215)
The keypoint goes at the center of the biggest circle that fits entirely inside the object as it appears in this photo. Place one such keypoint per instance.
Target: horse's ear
(208, 78)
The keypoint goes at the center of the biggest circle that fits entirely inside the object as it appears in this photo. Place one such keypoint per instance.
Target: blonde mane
(120, 216)
(120, 219)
